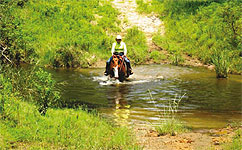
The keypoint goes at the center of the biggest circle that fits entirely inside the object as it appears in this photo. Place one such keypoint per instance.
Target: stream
(205, 102)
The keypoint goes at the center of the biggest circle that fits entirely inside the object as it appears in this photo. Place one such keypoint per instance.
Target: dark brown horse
(118, 68)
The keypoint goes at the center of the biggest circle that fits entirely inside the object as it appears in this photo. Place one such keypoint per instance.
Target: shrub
(136, 45)
(157, 56)
(47, 96)
(58, 34)
(221, 60)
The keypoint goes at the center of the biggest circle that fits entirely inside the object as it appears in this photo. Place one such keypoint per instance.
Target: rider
(119, 47)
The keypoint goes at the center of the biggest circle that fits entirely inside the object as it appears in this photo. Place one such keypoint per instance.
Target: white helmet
(119, 37)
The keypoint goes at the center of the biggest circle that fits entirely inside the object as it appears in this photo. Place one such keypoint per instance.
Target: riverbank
(24, 128)
(215, 139)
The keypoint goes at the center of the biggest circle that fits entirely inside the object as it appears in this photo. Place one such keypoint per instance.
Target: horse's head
(115, 65)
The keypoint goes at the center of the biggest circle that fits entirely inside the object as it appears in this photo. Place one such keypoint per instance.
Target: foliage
(149, 6)
(47, 96)
(5, 95)
(23, 125)
(58, 33)
(236, 144)
(157, 56)
(137, 45)
(203, 29)
(221, 60)
(59, 129)
(171, 125)
(33, 85)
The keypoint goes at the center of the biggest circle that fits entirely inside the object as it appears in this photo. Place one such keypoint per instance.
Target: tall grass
(221, 60)
(58, 33)
(199, 27)
(171, 125)
(59, 129)
(137, 45)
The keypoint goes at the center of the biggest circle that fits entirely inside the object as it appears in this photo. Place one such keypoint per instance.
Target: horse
(118, 68)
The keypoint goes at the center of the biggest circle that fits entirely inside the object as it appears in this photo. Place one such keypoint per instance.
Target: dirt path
(129, 17)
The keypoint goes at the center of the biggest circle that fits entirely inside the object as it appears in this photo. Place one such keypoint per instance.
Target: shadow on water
(209, 102)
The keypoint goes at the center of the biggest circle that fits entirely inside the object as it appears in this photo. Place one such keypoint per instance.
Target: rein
(121, 64)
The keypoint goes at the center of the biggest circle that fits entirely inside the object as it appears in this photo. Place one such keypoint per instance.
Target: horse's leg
(110, 70)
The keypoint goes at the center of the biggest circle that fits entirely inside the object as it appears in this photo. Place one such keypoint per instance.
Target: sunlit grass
(171, 126)
(60, 128)
(236, 143)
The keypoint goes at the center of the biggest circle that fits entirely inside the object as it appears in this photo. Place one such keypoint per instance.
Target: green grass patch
(236, 143)
(137, 45)
(172, 127)
(157, 56)
(59, 128)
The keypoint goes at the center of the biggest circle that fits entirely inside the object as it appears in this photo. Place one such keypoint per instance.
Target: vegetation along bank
(209, 30)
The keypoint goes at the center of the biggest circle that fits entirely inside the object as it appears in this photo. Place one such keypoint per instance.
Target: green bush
(58, 34)
(221, 60)
(45, 88)
(157, 56)
(176, 58)
(136, 45)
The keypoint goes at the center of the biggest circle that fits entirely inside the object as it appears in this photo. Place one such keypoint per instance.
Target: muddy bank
(203, 139)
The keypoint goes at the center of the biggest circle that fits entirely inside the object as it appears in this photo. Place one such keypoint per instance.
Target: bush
(221, 60)
(45, 88)
(58, 34)
(157, 56)
(136, 45)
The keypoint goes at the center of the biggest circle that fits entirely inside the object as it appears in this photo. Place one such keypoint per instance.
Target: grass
(157, 56)
(197, 28)
(137, 45)
(236, 143)
(58, 33)
(171, 125)
(59, 129)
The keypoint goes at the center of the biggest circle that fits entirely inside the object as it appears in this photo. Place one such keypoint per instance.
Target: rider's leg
(128, 65)
(108, 66)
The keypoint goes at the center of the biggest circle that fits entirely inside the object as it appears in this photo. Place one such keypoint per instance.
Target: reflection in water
(122, 108)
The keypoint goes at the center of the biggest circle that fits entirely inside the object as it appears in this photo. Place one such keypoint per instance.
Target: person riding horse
(119, 47)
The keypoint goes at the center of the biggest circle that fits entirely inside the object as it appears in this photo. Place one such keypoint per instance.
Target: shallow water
(207, 102)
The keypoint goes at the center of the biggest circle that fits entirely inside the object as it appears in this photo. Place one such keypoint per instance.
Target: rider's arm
(113, 48)
(125, 49)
